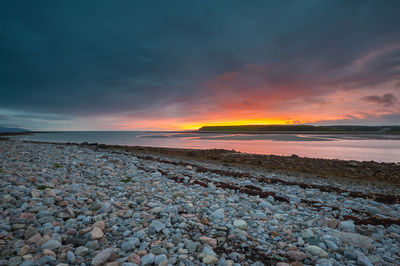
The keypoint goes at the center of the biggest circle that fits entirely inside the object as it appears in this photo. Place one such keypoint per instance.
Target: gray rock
(208, 251)
(7, 252)
(324, 262)
(293, 198)
(140, 234)
(331, 245)
(70, 257)
(147, 259)
(171, 209)
(356, 240)
(222, 262)
(388, 259)
(266, 205)
(156, 174)
(81, 251)
(296, 255)
(191, 246)
(106, 208)
(29, 263)
(218, 214)
(241, 224)
(127, 233)
(233, 256)
(157, 226)
(5, 227)
(47, 260)
(271, 199)
(94, 244)
(317, 251)
(42, 214)
(350, 255)
(158, 250)
(77, 241)
(366, 230)
(307, 233)
(102, 256)
(363, 261)
(260, 215)
(347, 226)
(131, 244)
(312, 241)
(375, 259)
(160, 258)
(258, 263)
(14, 261)
(322, 245)
(210, 259)
(51, 245)
(333, 239)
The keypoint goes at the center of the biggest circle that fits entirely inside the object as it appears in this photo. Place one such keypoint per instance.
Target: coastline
(23, 133)
(301, 132)
(99, 204)
(365, 171)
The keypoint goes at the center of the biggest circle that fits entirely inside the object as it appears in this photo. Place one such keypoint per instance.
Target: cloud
(386, 100)
(319, 101)
(73, 61)
(365, 119)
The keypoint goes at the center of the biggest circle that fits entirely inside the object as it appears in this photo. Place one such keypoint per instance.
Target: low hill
(300, 128)
(12, 130)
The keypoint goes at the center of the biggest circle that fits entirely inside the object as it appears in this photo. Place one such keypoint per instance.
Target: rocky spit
(81, 205)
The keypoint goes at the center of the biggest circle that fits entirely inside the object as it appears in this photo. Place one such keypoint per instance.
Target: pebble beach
(82, 205)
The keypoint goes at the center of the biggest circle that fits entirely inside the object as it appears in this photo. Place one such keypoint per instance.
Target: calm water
(382, 148)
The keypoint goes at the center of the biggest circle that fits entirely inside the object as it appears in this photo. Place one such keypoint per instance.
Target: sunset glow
(184, 65)
(236, 123)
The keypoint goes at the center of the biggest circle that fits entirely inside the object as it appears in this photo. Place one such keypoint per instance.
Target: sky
(171, 65)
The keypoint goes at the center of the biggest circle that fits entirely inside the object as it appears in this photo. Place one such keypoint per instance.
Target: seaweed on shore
(379, 197)
(256, 191)
(249, 252)
(43, 187)
(127, 180)
(370, 171)
(56, 165)
(373, 220)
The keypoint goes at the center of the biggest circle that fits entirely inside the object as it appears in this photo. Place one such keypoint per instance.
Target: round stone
(241, 224)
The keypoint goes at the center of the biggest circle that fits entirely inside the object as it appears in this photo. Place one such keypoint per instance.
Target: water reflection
(382, 148)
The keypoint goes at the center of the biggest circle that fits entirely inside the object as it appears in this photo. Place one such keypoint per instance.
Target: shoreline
(362, 171)
(99, 204)
(224, 132)
(303, 132)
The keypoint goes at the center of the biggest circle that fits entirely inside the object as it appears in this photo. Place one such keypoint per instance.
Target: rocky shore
(98, 205)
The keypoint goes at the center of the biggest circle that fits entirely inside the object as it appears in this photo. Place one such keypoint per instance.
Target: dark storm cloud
(386, 100)
(76, 58)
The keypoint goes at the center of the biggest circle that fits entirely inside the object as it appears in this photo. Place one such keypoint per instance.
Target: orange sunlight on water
(237, 123)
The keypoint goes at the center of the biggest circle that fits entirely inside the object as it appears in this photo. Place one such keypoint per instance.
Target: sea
(359, 147)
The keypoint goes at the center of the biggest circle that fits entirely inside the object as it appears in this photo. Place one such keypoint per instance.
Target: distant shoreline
(299, 132)
(10, 134)
(303, 129)
(25, 133)
(218, 132)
